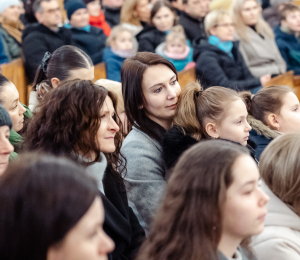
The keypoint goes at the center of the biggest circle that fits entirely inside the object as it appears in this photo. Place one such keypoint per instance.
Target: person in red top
(97, 18)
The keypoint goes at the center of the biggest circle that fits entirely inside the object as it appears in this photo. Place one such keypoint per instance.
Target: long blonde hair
(127, 12)
(261, 27)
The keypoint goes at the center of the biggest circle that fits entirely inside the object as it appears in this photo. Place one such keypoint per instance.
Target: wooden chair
(186, 76)
(283, 79)
(15, 72)
(100, 71)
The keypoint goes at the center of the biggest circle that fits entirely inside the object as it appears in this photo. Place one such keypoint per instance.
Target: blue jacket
(289, 48)
(113, 64)
(3, 57)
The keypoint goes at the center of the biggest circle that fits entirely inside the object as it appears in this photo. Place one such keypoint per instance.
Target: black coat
(37, 39)
(112, 15)
(193, 28)
(149, 38)
(92, 42)
(215, 67)
(121, 224)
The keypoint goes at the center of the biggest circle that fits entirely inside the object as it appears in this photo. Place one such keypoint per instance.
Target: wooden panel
(296, 2)
(100, 71)
(186, 76)
(15, 72)
(297, 86)
(283, 79)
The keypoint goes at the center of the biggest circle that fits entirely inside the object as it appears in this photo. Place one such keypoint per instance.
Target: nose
(106, 244)
(171, 93)
(113, 126)
(5, 146)
(264, 198)
(22, 109)
(248, 127)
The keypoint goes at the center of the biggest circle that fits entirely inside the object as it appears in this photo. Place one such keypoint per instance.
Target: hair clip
(45, 60)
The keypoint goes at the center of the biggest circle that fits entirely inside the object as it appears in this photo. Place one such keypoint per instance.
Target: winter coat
(11, 46)
(245, 254)
(280, 239)
(289, 48)
(145, 178)
(149, 38)
(260, 135)
(113, 64)
(3, 57)
(215, 67)
(193, 28)
(37, 39)
(261, 55)
(112, 15)
(91, 42)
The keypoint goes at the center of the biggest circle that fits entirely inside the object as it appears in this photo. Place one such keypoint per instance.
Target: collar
(85, 28)
(224, 46)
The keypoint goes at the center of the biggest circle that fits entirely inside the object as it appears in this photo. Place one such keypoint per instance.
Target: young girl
(215, 112)
(121, 45)
(176, 50)
(273, 111)
(212, 204)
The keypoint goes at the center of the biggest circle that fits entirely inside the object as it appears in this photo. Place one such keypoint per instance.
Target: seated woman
(63, 215)
(212, 204)
(150, 92)
(257, 43)
(216, 112)
(218, 60)
(66, 63)
(162, 20)
(273, 111)
(279, 168)
(78, 120)
(135, 14)
(88, 38)
(11, 28)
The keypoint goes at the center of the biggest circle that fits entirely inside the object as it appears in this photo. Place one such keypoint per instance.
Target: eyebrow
(16, 100)
(249, 182)
(158, 84)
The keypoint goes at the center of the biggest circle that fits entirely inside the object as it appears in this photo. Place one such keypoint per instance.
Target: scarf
(124, 54)
(13, 28)
(177, 56)
(99, 22)
(85, 28)
(224, 46)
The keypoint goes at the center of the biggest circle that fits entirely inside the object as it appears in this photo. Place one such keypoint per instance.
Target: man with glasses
(44, 36)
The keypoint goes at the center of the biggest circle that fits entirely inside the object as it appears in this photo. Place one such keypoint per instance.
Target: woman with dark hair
(212, 204)
(78, 120)
(66, 63)
(150, 92)
(61, 217)
(162, 19)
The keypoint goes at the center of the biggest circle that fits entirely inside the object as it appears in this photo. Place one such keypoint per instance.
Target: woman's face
(80, 18)
(250, 12)
(86, 240)
(12, 13)
(164, 19)
(142, 10)
(161, 91)
(5, 148)
(245, 209)
(10, 97)
(108, 127)
(224, 30)
(94, 8)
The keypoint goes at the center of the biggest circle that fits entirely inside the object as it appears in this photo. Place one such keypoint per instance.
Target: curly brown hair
(67, 122)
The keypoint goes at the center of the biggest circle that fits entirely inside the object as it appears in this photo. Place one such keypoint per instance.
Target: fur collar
(261, 128)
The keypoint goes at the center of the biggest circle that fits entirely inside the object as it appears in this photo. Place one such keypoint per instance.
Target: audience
(150, 92)
(279, 169)
(86, 37)
(212, 204)
(218, 60)
(162, 20)
(287, 37)
(112, 11)
(257, 43)
(60, 218)
(135, 15)
(46, 36)
(29, 16)
(273, 111)
(121, 44)
(11, 28)
(3, 57)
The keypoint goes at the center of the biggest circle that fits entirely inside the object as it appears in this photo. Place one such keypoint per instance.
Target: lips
(246, 138)
(172, 106)
(111, 137)
(262, 217)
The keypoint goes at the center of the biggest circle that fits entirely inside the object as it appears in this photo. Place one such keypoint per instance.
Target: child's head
(93, 6)
(176, 40)
(290, 17)
(216, 112)
(276, 106)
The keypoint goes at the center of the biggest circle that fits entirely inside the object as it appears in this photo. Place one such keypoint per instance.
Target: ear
(55, 82)
(135, 14)
(283, 23)
(38, 16)
(272, 120)
(213, 31)
(211, 130)
(141, 107)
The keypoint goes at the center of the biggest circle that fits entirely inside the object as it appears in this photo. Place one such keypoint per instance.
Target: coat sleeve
(145, 44)
(113, 70)
(3, 57)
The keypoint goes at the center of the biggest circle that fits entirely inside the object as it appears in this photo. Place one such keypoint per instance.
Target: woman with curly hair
(78, 120)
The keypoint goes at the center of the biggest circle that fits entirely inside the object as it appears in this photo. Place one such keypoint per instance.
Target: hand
(264, 79)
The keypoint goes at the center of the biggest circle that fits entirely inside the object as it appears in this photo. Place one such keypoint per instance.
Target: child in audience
(216, 112)
(279, 168)
(212, 204)
(121, 44)
(176, 50)
(287, 37)
(272, 111)
(60, 213)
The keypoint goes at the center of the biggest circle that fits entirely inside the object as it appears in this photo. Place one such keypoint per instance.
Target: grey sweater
(145, 182)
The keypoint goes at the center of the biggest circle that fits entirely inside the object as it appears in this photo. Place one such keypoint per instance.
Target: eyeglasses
(226, 25)
(53, 11)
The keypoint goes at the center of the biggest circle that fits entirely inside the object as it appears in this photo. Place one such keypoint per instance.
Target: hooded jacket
(215, 67)
(149, 38)
(280, 239)
(113, 64)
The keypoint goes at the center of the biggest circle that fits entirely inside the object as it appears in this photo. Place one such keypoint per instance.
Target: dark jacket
(92, 42)
(3, 57)
(215, 67)
(149, 38)
(121, 224)
(193, 28)
(113, 64)
(289, 48)
(112, 15)
(38, 39)
(11, 46)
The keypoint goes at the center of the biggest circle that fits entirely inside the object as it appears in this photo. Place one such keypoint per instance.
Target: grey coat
(145, 178)
(244, 254)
